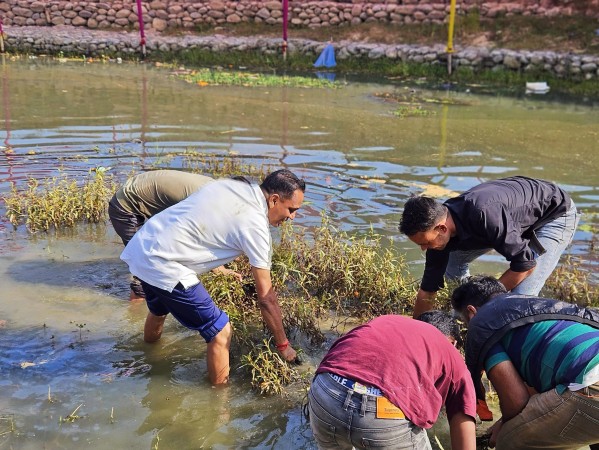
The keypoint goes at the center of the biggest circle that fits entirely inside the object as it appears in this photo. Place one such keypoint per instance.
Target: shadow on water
(110, 277)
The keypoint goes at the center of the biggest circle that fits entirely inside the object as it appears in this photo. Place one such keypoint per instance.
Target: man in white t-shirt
(212, 227)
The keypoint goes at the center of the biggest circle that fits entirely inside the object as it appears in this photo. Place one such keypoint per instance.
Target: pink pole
(1, 37)
(142, 33)
(285, 19)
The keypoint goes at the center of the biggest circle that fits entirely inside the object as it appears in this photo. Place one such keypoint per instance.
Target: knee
(223, 338)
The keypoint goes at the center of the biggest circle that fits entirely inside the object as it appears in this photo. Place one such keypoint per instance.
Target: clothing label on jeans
(387, 410)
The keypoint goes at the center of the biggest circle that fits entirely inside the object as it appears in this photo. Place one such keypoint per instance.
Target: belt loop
(363, 406)
(347, 399)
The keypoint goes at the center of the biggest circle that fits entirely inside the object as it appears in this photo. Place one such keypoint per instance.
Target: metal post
(450, 34)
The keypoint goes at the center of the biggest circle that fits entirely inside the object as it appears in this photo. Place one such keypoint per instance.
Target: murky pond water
(71, 339)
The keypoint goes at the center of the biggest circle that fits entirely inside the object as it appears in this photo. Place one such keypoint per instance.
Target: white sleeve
(256, 243)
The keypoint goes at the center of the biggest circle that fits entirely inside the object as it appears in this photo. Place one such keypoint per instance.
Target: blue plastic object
(327, 57)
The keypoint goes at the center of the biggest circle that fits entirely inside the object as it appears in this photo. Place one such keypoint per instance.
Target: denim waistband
(355, 386)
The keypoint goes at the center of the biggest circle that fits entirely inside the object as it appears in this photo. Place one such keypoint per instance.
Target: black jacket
(500, 214)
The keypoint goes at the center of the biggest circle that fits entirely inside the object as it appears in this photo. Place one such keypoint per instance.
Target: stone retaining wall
(162, 14)
(81, 41)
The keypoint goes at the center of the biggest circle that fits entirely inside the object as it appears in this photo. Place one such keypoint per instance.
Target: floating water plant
(404, 111)
(219, 166)
(209, 77)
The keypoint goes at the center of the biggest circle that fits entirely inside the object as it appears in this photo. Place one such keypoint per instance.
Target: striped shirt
(550, 354)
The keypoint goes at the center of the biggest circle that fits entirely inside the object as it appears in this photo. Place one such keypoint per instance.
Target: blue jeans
(343, 419)
(554, 236)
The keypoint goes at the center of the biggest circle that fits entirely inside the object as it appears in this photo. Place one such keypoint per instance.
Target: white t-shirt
(209, 228)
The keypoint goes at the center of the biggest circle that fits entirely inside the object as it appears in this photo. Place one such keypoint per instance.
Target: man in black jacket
(528, 221)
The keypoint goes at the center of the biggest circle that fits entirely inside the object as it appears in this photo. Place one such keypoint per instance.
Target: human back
(151, 192)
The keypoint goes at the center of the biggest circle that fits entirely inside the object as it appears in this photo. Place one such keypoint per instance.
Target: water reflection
(361, 164)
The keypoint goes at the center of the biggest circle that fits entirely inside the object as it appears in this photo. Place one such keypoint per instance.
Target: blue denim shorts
(193, 307)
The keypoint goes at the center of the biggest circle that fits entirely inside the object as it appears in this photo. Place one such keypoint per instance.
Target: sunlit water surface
(70, 339)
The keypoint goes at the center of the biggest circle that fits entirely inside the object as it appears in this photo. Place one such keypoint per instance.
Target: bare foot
(2, 323)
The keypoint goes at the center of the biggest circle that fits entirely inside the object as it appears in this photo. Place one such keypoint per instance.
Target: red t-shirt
(411, 362)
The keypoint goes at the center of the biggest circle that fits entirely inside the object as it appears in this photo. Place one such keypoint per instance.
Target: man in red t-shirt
(383, 383)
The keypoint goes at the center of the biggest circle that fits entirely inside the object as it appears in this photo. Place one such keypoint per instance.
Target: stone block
(79, 21)
(157, 5)
(263, 13)
(274, 5)
(37, 7)
(122, 13)
(233, 18)
(22, 12)
(159, 24)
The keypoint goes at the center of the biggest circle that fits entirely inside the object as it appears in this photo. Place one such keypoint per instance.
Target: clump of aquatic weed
(60, 202)
(354, 276)
(219, 166)
(404, 111)
(325, 275)
(210, 77)
(569, 282)
(269, 371)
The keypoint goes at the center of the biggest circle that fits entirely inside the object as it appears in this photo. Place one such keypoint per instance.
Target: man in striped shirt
(542, 357)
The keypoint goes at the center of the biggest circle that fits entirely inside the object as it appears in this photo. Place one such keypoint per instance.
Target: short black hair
(283, 182)
(476, 291)
(444, 322)
(420, 214)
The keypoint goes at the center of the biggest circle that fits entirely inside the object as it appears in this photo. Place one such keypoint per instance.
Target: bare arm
(462, 429)
(511, 390)
(425, 301)
(511, 279)
(270, 310)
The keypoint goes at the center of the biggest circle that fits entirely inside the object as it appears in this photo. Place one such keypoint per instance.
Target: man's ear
(471, 310)
(441, 227)
(273, 199)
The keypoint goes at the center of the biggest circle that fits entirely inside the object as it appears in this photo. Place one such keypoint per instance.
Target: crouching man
(383, 384)
(212, 227)
(542, 357)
